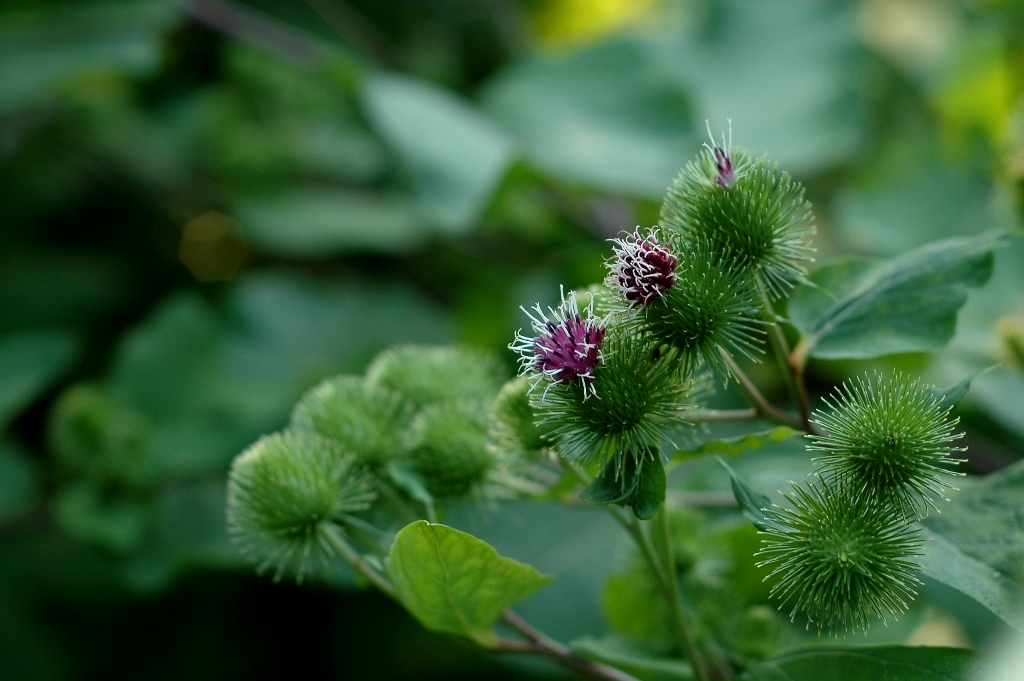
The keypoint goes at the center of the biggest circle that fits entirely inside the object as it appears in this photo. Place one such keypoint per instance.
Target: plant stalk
(707, 415)
(688, 644)
(762, 405)
(780, 348)
(346, 551)
(538, 643)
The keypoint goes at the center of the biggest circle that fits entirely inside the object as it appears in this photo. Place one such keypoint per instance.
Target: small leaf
(952, 395)
(650, 492)
(733, 446)
(906, 304)
(868, 664)
(408, 479)
(453, 582)
(628, 655)
(612, 485)
(752, 504)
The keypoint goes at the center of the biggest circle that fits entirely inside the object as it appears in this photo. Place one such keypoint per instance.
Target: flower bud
(631, 404)
(840, 558)
(888, 439)
(448, 447)
(424, 374)
(364, 419)
(566, 347)
(709, 313)
(513, 433)
(285, 493)
(748, 213)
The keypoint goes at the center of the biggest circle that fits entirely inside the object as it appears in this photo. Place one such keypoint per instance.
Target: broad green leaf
(752, 504)
(977, 542)
(912, 195)
(29, 363)
(456, 156)
(42, 50)
(319, 223)
(650, 492)
(628, 655)
(800, 106)
(869, 664)
(944, 562)
(733, 446)
(608, 116)
(118, 525)
(952, 395)
(453, 582)
(907, 304)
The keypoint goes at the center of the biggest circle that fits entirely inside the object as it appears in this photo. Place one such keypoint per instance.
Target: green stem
(688, 644)
(538, 643)
(346, 551)
(764, 407)
(707, 415)
(780, 348)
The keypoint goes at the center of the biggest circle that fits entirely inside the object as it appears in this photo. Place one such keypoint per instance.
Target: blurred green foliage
(211, 205)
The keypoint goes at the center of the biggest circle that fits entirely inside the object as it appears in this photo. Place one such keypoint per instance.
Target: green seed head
(709, 315)
(425, 375)
(840, 558)
(448, 447)
(366, 420)
(890, 440)
(513, 433)
(638, 398)
(760, 218)
(284, 494)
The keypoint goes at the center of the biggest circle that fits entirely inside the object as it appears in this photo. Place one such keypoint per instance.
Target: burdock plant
(890, 440)
(608, 380)
(841, 559)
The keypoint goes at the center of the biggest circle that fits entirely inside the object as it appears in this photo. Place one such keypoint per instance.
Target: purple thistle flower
(642, 268)
(722, 157)
(567, 346)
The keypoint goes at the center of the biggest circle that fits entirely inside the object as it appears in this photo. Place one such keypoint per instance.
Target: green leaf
(867, 664)
(42, 50)
(29, 363)
(733, 446)
(607, 116)
(752, 504)
(977, 542)
(613, 486)
(628, 655)
(650, 492)
(19, 481)
(317, 222)
(952, 395)
(453, 582)
(907, 304)
(455, 155)
(944, 562)
(408, 479)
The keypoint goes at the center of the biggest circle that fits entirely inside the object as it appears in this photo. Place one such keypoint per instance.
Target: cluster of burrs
(843, 552)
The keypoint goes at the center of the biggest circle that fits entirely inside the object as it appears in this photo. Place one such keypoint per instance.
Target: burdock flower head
(748, 211)
(722, 157)
(840, 558)
(642, 269)
(566, 347)
(890, 439)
